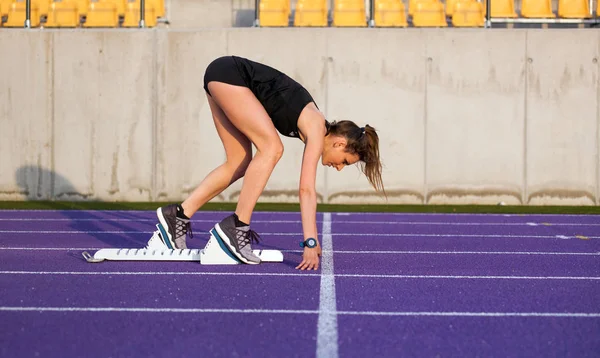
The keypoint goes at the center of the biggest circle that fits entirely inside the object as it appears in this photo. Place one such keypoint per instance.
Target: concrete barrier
(26, 119)
(464, 116)
(186, 146)
(103, 108)
(475, 116)
(383, 86)
(562, 118)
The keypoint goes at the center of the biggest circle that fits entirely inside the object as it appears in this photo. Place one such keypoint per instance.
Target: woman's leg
(247, 114)
(175, 219)
(238, 150)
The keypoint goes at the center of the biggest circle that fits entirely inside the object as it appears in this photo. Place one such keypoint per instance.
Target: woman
(250, 104)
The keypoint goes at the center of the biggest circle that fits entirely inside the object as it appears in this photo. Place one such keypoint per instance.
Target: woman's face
(335, 155)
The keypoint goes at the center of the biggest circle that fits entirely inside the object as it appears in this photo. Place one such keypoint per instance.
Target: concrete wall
(464, 116)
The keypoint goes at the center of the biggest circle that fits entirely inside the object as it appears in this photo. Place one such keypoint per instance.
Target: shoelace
(247, 237)
(182, 228)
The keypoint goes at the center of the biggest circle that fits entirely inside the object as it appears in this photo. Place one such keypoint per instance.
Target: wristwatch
(310, 242)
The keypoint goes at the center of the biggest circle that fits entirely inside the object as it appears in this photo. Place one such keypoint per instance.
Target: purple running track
(405, 285)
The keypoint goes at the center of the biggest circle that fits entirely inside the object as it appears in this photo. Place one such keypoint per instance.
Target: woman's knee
(272, 149)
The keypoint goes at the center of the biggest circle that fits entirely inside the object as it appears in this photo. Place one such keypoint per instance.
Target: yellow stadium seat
(468, 13)
(390, 13)
(411, 7)
(429, 13)
(501, 8)
(132, 14)
(311, 13)
(274, 13)
(101, 13)
(537, 9)
(450, 4)
(349, 13)
(82, 7)
(574, 9)
(4, 5)
(159, 7)
(63, 13)
(15, 12)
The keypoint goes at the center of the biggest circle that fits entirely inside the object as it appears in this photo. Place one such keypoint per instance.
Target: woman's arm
(312, 127)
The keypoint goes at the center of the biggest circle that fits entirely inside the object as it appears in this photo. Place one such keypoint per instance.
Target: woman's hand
(310, 258)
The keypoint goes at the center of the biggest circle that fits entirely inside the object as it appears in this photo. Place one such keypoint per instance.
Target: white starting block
(214, 253)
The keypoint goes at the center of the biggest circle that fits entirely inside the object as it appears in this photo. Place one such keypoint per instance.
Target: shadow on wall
(95, 228)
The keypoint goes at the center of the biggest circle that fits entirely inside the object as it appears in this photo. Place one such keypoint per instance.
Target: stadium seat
(63, 13)
(159, 7)
(468, 13)
(311, 13)
(411, 7)
(501, 8)
(274, 13)
(3, 10)
(450, 5)
(101, 13)
(537, 9)
(349, 13)
(574, 9)
(390, 13)
(132, 14)
(15, 13)
(429, 13)
(82, 7)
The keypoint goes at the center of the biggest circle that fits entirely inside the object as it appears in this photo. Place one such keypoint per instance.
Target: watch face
(311, 242)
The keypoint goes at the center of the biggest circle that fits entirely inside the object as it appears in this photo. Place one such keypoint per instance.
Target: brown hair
(363, 141)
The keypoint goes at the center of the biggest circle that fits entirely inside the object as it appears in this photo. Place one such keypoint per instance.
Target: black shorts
(282, 97)
(223, 69)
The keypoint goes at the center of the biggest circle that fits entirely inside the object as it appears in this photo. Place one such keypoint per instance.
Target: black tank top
(282, 97)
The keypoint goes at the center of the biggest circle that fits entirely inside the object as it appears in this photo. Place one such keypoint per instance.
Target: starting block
(215, 252)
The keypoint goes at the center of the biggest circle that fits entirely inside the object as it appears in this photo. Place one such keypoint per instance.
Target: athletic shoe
(238, 239)
(174, 226)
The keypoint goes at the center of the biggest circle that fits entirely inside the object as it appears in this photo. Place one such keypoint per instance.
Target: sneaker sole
(165, 230)
(227, 242)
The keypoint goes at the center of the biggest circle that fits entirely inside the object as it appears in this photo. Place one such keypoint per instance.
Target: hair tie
(362, 130)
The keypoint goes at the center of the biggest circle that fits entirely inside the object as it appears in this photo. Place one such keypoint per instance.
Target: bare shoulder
(311, 122)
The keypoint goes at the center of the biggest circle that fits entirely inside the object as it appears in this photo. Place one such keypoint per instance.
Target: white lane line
(281, 311)
(327, 329)
(352, 213)
(109, 220)
(157, 273)
(153, 310)
(352, 252)
(468, 253)
(452, 223)
(371, 235)
(476, 314)
(454, 277)
(330, 304)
